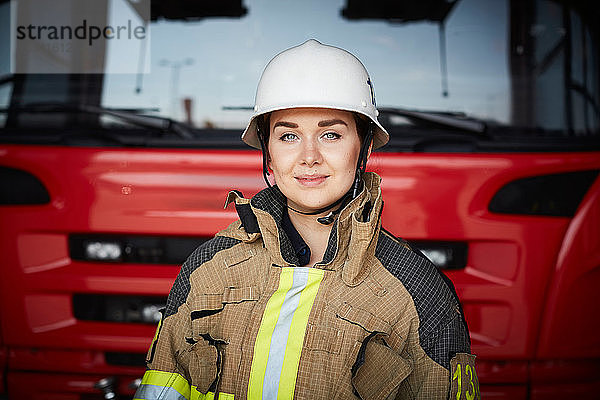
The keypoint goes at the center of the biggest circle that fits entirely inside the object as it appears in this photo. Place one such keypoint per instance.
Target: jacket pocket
(374, 370)
(207, 310)
(205, 315)
(327, 339)
(202, 363)
(362, 318)
(378, 370)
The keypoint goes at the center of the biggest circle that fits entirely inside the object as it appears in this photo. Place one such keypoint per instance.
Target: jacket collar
(352, 239)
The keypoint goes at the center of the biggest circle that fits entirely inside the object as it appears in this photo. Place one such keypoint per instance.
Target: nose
(311, 154)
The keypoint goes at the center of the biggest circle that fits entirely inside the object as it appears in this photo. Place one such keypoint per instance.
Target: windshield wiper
(454, 121)
(163, 124)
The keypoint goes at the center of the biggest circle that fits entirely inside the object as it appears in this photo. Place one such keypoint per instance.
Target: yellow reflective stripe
(196, 395)
(167, 379)
(157, 330)
(289, 372)
(180, 384)
(265, 331)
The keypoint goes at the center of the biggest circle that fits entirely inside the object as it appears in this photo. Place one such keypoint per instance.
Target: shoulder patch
(464, 383)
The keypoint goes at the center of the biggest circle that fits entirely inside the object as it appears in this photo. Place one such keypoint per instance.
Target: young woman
(305, 296)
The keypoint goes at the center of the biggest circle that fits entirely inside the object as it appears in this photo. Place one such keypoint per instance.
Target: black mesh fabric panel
(442, 331)
(203, 253)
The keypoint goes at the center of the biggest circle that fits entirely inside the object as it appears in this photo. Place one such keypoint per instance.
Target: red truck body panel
(571, 310)
(528, 288)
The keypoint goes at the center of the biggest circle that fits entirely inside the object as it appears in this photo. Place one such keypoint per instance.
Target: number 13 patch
(464, 383)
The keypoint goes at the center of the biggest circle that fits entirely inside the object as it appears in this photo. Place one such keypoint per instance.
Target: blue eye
(331, 135)
(288, 137)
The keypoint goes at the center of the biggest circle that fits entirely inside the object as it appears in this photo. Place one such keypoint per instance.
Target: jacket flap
(381, 372)
(235, 257)
(363, 318)
(206, 302)
(237, 295)
(233, 195)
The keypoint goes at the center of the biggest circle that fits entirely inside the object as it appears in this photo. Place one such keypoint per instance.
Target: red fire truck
(109, 180)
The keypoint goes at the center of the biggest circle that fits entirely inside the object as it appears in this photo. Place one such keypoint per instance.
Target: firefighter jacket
(373, 320)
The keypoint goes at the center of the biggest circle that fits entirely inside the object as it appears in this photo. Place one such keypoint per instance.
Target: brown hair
(264, 126)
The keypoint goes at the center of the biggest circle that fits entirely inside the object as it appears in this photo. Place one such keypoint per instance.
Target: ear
(268, 157)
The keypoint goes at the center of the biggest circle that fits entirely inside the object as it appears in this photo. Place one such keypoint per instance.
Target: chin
(309, 203)
(312, 199)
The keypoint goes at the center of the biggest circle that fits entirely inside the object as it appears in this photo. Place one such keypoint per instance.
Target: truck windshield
(517, 69)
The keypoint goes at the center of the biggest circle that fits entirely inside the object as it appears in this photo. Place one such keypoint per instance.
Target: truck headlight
(444, 255)
(103, 251)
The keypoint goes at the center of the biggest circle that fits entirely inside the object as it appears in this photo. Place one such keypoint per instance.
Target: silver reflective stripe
(153, 392)
(281, 333)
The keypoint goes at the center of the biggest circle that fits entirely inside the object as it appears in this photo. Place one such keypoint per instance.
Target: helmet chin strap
(361, 164)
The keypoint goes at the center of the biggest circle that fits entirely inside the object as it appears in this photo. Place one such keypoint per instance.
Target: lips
(311, 180)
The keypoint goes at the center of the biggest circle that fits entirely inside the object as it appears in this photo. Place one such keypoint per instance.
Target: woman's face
(313, 154)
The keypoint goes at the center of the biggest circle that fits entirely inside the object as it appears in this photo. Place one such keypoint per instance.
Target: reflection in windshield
(216, 63)
(538, 71)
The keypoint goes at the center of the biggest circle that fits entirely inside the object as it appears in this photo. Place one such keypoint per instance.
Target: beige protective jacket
(373, 320)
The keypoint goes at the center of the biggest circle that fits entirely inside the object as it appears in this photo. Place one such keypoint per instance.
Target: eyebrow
(330, 122)
(285, 123)
(327, 122)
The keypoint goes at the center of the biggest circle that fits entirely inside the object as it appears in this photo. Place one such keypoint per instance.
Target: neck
(315, 234)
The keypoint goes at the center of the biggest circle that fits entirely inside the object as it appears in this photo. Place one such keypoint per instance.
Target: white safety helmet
(315, 75)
